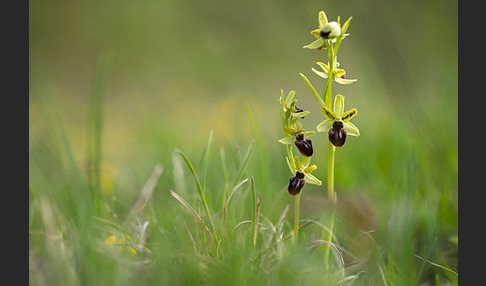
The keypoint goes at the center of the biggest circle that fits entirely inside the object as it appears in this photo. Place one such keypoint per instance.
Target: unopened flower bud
(298, 110)
(330, 30)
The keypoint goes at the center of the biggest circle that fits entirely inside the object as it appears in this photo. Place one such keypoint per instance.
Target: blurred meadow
(122, 85)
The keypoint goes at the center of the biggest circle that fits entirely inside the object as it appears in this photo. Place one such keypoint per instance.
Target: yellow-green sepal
(324, 67)
(316, 44)
(308, 134)
(344, 80)
(351, 129)
(328, 113)
(288, 140)
(324, 126)
(338, 73)
(300, 114)
(339, 105)
(311, 179)
(321, 74)
(290, 98)
(316, 33)
(346, 116)
(310, 169)
(322, 19)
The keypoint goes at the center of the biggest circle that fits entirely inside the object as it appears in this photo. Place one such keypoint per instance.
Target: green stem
(290, 154)
(332, 197)
(330, 173)
(327, 236)
(328, 87)
(296, 217)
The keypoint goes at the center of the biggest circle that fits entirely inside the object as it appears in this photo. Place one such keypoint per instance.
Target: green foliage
(164, 90)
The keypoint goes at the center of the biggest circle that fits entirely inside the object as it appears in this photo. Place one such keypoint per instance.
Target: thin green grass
(252, 246)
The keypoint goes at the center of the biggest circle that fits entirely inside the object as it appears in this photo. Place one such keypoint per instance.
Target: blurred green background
(181, 68)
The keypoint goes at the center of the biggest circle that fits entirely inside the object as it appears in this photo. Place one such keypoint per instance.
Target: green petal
(351, 129)
(310, 169)
(309, 178)
(324, 67)
(324, 126)
(308, 134)
(316, 44)
(300, 114)
(289, 130)
(305, 162)
(344, 81)
(289, 140)
(316, 33)
(319, 73)
(322, 19)
(329, 114)
(281, 99)
(339, 72)
(339, 104)
(346, 116)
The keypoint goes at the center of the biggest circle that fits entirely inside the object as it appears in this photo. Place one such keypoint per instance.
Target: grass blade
(223, 164)
(146, 191)
(245, 161)
(437, 265)
(225, 208)
(338, 258)
(110, 223)
(256, 210)
(203, 164)
(201, 192)
(192, 210)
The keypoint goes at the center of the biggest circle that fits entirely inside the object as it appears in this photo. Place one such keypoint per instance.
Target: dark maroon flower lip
(296, 183)
(337, 134)
(304, 146)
